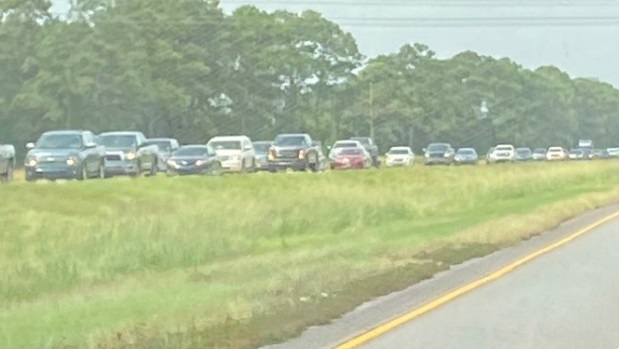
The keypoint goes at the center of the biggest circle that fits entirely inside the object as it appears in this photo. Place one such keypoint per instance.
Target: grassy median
(242, 260)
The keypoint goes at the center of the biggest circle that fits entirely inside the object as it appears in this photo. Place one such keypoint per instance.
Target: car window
(228, 145)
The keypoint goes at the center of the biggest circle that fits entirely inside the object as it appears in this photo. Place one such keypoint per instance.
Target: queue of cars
(445, 154)
(79, 154)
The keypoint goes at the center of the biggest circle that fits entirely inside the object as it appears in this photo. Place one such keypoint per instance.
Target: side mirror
(329, 147)
(90, 145)
(29, 145)
(424, 150)
(248, 147)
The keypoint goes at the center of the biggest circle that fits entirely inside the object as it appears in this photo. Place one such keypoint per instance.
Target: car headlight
(72, 161)
(30, 162)
(130, 156)
(172, 163)
(200, 162)
(301, 154)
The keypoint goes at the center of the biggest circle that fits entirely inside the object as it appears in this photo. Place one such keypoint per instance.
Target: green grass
(238, 260)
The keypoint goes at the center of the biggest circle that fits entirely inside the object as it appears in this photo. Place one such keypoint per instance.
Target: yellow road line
(392, 324)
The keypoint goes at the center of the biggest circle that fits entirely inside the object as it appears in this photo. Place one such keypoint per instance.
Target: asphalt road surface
(567, 299)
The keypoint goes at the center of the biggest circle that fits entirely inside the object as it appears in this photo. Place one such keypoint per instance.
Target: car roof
(556, 148)
(193, 146)
(347, 141)
(292, 134)
(119, 133)
(65, 132)
(161, 139)
(523, 148)
(229, 138)
(473, 149)
(400, 147)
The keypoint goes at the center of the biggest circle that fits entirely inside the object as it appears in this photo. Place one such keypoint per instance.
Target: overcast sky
(577, 47)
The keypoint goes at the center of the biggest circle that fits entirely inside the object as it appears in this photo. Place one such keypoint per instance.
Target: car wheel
(8, 177)
(83, 174)
(153, 169)
(101, 170)
(216, 169)
(138, 172)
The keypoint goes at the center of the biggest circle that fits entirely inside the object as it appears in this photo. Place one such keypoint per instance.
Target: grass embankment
(242, 260)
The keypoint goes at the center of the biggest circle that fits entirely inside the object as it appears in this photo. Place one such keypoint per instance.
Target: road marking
(433, 304)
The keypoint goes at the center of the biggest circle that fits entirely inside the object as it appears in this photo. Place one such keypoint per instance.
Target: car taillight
(301, 154)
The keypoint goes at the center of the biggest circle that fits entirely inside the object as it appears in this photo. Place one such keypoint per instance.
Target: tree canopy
(185, 69)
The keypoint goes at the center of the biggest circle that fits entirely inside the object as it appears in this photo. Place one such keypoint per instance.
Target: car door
(213, 160)
(247, 153)
(89, 153)
(144, 154)
(4, 159)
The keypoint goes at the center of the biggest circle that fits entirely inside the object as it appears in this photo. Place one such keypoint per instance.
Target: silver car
(165, 146)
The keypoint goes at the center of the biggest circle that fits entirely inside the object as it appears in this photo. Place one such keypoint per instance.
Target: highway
(568, 299)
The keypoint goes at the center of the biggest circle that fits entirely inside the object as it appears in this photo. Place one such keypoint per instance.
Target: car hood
(193, 157)
(288, 147)
(398, 156)
(39, 153)
(116, 150)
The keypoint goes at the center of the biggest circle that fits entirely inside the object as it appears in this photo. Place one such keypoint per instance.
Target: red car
(351, 158)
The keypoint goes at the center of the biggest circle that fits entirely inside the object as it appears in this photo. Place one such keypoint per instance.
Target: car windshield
(576, 151)
(466, 152)
(118, 141)
(503, 148)
(164, 146)
(290, 141)
(261, 148)
(364, 141)
(350, 151)
(555, 150)
(523, 151)
(437, 148)
(539, 151)
(346, 145)
(191, 151)
(399, 151)
(59, 141)
(228, 145)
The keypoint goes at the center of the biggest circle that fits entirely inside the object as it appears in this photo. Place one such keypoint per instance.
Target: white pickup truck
(7, 162)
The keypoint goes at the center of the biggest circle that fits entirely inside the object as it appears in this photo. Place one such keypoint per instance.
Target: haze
(580, 47)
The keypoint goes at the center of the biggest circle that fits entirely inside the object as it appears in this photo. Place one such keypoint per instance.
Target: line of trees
(185, 69)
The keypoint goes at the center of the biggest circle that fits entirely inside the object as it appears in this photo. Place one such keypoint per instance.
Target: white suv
(502, 153)
(236, 153)
(556, 153)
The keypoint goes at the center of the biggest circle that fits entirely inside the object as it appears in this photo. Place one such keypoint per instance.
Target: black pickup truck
(296, 151)
(7, 162)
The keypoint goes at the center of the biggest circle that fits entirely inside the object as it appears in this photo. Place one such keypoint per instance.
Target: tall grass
(81, 261)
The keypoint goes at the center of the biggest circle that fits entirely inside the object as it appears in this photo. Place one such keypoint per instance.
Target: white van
(236, 153)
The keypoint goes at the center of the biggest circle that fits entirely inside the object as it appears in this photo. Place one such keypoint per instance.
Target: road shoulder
(373, 313)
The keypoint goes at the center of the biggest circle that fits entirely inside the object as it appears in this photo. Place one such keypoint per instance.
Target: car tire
(153, 169)
(216, 169)
(139, 171)
(83, 174)
(8, 176)
(101, 174)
